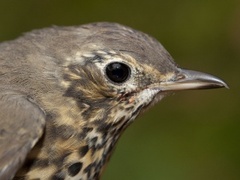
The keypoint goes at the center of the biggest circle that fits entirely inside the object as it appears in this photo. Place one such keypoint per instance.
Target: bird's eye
(118, 72)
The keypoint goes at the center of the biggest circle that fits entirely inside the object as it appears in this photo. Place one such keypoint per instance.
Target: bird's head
(114, 72)
(92, 81)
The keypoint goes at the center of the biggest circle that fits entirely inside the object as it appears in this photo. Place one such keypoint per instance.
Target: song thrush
(68, 93)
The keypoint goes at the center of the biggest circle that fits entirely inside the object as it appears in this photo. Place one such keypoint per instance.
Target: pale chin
(155, 99)
(159, 96)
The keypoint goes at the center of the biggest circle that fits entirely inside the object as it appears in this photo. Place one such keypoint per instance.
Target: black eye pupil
(117, 72)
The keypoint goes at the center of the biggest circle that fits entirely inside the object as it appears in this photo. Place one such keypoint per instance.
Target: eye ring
(117, 72)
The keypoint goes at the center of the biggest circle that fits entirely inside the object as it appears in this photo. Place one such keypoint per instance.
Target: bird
(67, 93)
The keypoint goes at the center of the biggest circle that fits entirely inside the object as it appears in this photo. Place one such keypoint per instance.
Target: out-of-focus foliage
(191, 135)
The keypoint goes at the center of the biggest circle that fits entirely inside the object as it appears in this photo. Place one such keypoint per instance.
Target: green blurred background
(192, 135)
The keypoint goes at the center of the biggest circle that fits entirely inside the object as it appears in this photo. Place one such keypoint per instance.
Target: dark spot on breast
(87, 129)
(88, 169)
(58, 176)
(20, 177)
(94, 140)
(83, 150)
(102, 127)
(74, 169)
(84, 132)
(96, 176)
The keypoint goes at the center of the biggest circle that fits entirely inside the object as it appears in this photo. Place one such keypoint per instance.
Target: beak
(188, 79)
